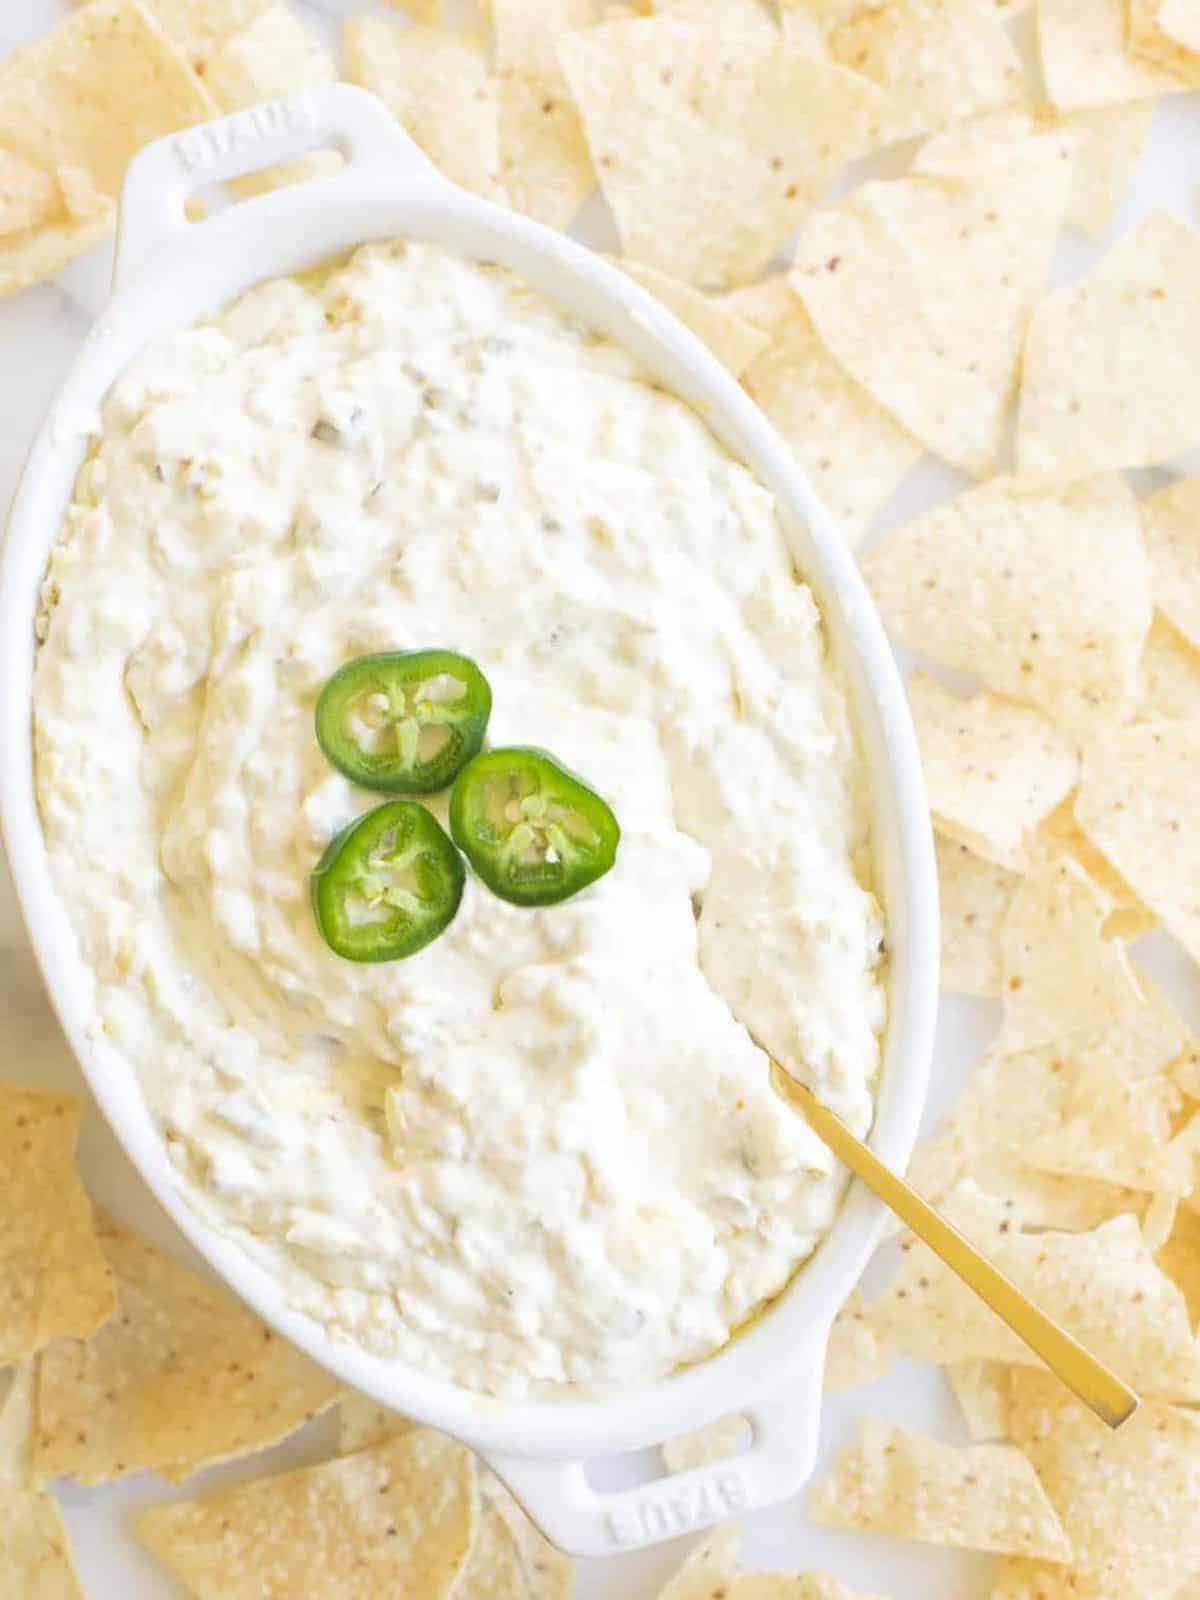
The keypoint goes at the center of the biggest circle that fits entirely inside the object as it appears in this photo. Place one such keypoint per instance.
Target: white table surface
(40, 331)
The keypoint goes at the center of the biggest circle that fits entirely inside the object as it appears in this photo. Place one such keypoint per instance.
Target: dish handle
(167, 172)
(586, 1521)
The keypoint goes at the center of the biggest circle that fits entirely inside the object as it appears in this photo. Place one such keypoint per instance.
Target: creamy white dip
(543, 1152)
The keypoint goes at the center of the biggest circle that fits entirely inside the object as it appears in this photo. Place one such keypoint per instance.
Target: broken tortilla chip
(1127, 1498)
(981, 1389)
(1084, 59)
(747, 133)
(1134, 804)
(936, 63)
(1061, 974)
(398, 1519)
(54, 1279)
(1103, 1286)
(734, 341)
(977, 1497)
(974, 899)
(436, 85)
(1112, 361)
(922, 287)
(181, 1377)
(1171, 523)
(993, 769)
(545, 169)
(35, 1554)
(1041, 593)
(709, 1567)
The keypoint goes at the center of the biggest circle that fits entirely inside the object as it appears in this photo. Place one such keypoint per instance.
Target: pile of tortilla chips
(911, 316)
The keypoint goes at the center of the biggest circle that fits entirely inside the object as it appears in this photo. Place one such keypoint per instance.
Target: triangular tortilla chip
(1127, 1498)
(1041, 593)
(54, 1279)
(974, 899)
(1171, 523)
(1061, 975)
(857, 1352)
(981, 1389)
(545, 169)
(1084, 59)
(734, 341)
(1120, 1132)
(709, 1567)
(1134, 803)
(436, 85)
(715, 1442)
(852, 449)
(35, 1554)
(922, 287)
(395, 1520)
(981, 1497)
(181, 1377)
(1112, 362)
(1103, 1286)
(745, 133)
(93, 90)
(993, 769)
(937, 62)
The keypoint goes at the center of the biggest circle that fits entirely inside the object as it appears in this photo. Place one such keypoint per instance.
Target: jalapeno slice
(534, 832)
(388, 884)
(404, 721)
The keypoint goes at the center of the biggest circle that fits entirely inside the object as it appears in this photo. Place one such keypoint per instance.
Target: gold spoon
(1099, 1389)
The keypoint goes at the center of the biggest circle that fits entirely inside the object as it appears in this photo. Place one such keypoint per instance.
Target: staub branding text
(663, 1512)
(199, 148)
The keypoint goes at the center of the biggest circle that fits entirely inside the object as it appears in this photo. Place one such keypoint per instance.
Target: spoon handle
(1099, 1388)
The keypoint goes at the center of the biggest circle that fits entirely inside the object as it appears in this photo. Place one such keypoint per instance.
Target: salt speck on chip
(1061, 975)
(1084, 57)
(1041, 592)
(993, 769)
(978, 1497)
(922, 286)
(1136, 804)
(709, 145)
(938, 63)
(395, 1520)
(1112, 363)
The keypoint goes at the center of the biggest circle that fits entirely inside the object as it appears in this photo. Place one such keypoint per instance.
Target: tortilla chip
(1060, 837)
(545, 168)
(1134, 804)
(1040, 593)
(975, 896)
(1127, 1499)
(526, 32)
(1168, 35)
(716, 1441)
(398, 1519)
(28, 195)
(794, 1586)
(1120, 1132)
(1084, 59)
(981, 1389)
(922, 287)
(1179, 1258)
(95, 89)
(35, 1554)
(850, 447)
(735, 342)
(436, 85)
(1103, 1286)
(1170, 676)
(31, 257)
(1060, 973)
(1017, 1578)
(709, 1567)
(1158, 1222)
(1171, 524)
(937, 63)
(54, 1279)
(1112, 362)
(981, 1497)
(530, 1567)
(745, 15)
(363, 1422)
(182, 1377)
(198, 28)
(856, 1353)
(746, 133)
(993, 769)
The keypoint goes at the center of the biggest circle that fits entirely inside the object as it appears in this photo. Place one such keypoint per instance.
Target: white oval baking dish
(171, 272)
